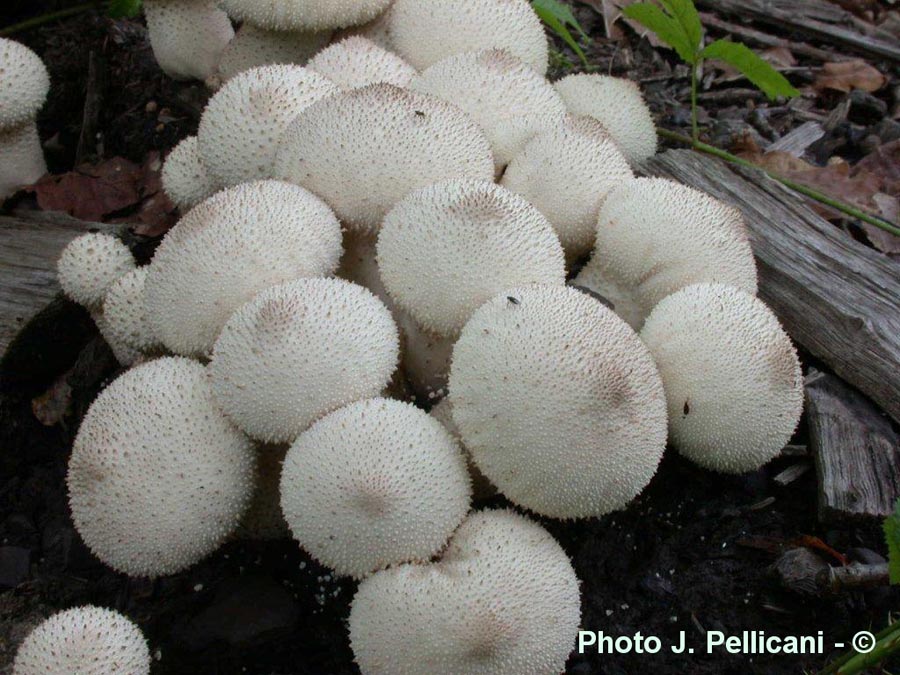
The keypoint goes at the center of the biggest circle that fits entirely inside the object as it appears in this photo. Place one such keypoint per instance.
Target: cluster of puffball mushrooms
(395, 221)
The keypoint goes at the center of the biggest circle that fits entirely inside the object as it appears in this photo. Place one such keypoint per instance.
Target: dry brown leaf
(51, 407)
(849, 75)
(91, 192)
(779, 57)
(889, 208)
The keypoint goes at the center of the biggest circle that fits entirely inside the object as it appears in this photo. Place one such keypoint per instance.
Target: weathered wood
(835, 296)
(797, 141)
(857, 452)
(818, 18)
(30, 245)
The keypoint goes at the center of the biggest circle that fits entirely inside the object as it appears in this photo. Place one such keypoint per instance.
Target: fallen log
(835, 296)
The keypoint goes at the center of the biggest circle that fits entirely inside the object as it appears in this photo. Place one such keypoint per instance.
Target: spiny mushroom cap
(481, 486)
(126, 314)
(90, 265)
(24, 84)
(84, 640)
(229, 248)
(253, 47)
(185, 178)
(426, 31)
(618, 105)
(375, 483)
(301, 350)
(356, 62)
(333, 150)
(503, 600)
(304, 14)
(125, 354)
(507, 98)
(188, 37)
(377, 30)
(242, 125)
(732, 377)
(158, 477)
(656, 236)
(566, 172)
(558, 401)
(446, 249)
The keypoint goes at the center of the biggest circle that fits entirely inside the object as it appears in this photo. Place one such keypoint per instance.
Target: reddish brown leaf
(52, 406)
(91, 192)
(849, 75)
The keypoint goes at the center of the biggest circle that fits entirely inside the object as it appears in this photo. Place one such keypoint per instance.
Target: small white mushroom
(125, 312)
(188, 37)
(503, 600)
(305, 14)
(90, 265)
(185, 178)
(84, 640)
(376, 483)
(618, 105)
(24, 83)
(732, 377)
(356, 62)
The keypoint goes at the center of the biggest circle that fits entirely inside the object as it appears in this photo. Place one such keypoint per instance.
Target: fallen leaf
(51, 407)
(849, 75)
(884, 161)
(611, 10)
(779, 57)
(889, 208)
(91, 192)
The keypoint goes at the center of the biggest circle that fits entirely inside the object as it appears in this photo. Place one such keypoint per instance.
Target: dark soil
(692, 554)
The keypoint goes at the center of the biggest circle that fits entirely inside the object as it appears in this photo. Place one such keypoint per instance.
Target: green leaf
(124, 9)
(759, 72)
(559, 18)
(667, 28)
(892, 535)
(686, 14)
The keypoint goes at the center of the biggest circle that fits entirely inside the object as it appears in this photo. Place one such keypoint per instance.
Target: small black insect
(513, 300)
(420, 113)
(687, 407)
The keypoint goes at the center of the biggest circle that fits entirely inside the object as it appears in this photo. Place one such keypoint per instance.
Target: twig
(36, 21)
(820, 197)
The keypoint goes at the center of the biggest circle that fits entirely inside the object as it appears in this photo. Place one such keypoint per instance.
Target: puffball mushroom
(125, 312)
(188, 37)
(333, 150)
(24, 83)
(90, 265)
(305, 14)
(618, 105)
(185, 179)
(503, 599)
(656, 236)
(481, 486)
(447, 248)
(240, 129)
(229, 248)
(426, 31)
(158, 477)
(85, 640)
(732, 377)
(356, 62)
(507, 98)
(376, 483)
(567, 171)
(301, 350)
(558, 401)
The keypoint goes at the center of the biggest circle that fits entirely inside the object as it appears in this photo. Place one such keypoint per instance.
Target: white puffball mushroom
(481, 486)
(85, 640)
(365, 149)
(158, 477)
(188, 37)
(185, 178)
(618, 105)
(356, 62)
(426, 31)
(24, 84)
(241, 128)
(558, 401)
(732, 377)
(503, 600)
(447, 248)
(125, 312)
(125, 354)
(507, 98)
(567, 171)
(299, 351)
(253, 47)
(377, 30)
(655, 236)
(229, 248)
(90, 264)
(304, 14)
(376, 483)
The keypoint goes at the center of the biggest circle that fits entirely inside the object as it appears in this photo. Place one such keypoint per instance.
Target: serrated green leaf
(687, 15)
(667, 28)
(124, 9)
(892, 536)
(559, 18)
(759, 72)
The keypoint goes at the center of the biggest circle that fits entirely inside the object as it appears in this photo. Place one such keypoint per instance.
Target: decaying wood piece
(835, 296)
(30, 245)
(856, 450)
(818, 18)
